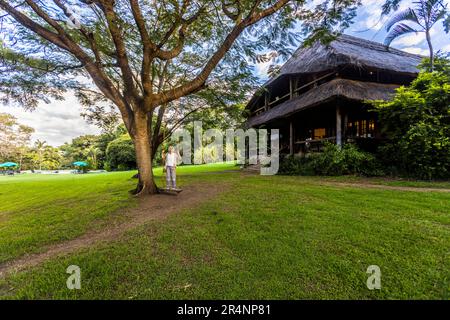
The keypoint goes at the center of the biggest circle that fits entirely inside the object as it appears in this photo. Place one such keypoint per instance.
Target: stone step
(256, 168)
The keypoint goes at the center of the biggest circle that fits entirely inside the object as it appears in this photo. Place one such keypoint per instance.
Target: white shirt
(171, 159)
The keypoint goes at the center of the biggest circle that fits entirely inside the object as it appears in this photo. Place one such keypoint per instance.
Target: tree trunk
(430, 46)
(142, 138)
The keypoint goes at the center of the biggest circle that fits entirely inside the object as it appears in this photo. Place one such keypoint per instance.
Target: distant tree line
(111, 150)
(101, 151)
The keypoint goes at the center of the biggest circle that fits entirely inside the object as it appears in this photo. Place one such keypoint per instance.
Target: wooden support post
(291, 88)
(344, 130)
(291, 138)
(338, 126)
(266, 101)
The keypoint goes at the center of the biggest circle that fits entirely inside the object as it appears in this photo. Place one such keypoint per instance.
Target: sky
(60, 121)
(369, 18)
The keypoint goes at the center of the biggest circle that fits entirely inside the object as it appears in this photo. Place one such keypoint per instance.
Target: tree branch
(64, 41)
(185, 23)
(122, 57)
(89, 36)
(35, 27)
(148, 48)
(199, 82)
(228, 13)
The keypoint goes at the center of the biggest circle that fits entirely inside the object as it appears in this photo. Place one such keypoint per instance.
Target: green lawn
(263, 238)
(36, 210)
(394, 182)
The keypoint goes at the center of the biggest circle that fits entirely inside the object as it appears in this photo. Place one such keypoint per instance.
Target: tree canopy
(14, 137)
(417, 124)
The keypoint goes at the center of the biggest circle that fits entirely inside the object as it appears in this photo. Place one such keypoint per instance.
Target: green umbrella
(80, 164)
(8, 165)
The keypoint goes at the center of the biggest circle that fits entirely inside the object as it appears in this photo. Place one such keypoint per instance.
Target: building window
(319, 133)
(371, 130)
(361, 128)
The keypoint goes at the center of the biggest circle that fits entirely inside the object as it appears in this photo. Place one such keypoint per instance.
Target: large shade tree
(14, 138)
(144, 56)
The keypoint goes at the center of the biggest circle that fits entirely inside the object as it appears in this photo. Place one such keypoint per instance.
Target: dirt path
(150, 208)
(382, 187)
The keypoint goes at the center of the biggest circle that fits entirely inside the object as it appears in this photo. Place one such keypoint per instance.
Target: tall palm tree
(425, 15)
(93, 152)
(52, 157)
(40, 146)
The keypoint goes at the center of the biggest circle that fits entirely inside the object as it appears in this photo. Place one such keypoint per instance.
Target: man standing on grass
(170, 160)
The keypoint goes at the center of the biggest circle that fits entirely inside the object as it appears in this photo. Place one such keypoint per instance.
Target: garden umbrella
(80, 164)
(8, 165)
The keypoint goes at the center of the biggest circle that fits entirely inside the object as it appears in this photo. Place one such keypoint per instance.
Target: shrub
(417, 125)
(333, 161)
(120, 154)
(293, 166)
(107, 166)
(123, 167)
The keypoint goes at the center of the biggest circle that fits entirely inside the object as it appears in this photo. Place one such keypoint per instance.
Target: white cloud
(370, 17)
(373, 10)
(416, 43)
(261, 69)
(416, 50)
(56, 123)
(409, 40)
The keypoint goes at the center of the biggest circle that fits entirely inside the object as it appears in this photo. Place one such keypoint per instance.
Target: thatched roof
(337, 88)
(345, 50)
(350, 50)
